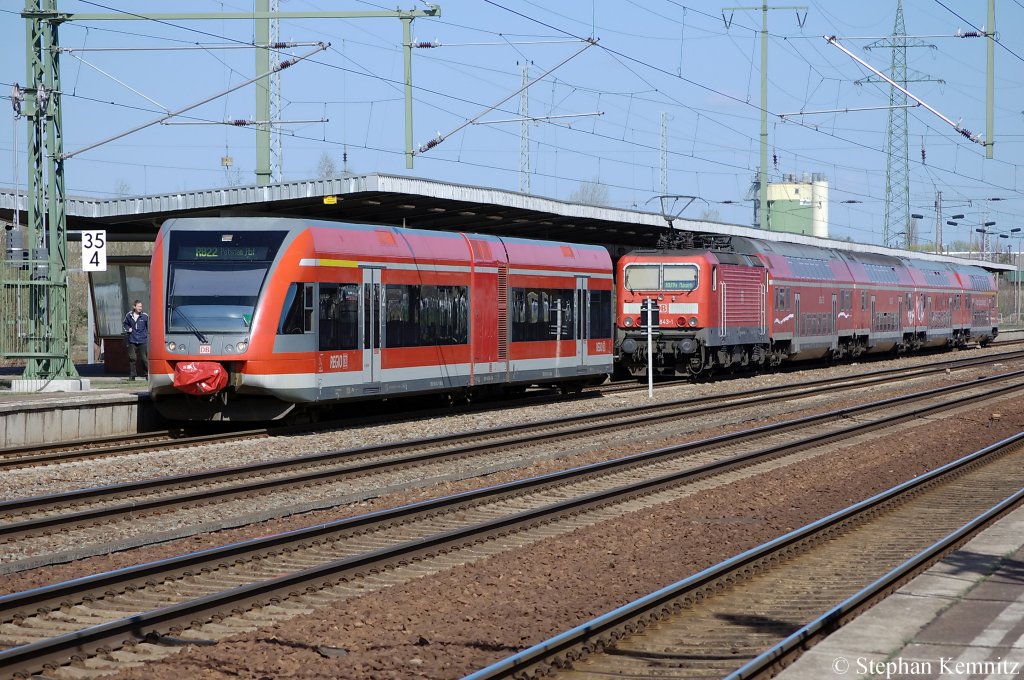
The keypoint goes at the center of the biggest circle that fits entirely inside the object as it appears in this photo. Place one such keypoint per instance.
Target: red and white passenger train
(757, 302)
(263, 317)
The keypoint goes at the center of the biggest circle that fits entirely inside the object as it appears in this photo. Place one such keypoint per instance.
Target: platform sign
(94, 251)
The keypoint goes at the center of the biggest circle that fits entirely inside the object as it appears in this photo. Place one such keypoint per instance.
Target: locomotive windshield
(642, 277)
(680, 277)
(214, 279)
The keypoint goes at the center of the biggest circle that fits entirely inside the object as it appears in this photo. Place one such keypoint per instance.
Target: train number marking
(339, 361)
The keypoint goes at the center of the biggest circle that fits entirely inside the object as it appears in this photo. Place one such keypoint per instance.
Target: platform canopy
(420, 204)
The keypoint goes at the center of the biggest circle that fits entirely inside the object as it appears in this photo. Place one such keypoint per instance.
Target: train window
(418, 316)
(863, 300)
(297, 311)
(535, 314)
(680, 277)
(291, 322)
(215, 279)
(642, 277)
(339, 316)
(600, 314)
(307, 308)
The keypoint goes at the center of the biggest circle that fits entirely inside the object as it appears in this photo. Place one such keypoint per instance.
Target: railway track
(205, 595)
(34, 455)
(93, 508)
(119, 445)
(753, 614)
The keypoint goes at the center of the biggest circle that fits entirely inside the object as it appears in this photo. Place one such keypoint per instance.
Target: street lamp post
(952, 223)
(1014, 233)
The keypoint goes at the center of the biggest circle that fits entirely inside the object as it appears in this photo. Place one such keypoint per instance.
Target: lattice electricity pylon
(897, 143)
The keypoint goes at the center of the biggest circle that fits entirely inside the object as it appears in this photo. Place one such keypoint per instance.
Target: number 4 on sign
(94, 251)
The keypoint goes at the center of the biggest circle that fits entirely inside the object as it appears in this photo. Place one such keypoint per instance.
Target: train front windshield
(673, 277)
(214, 279)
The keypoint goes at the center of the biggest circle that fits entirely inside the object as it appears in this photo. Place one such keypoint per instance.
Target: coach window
(339, 316)
(680, 277)
(535, 314)
(419, 316)
(563, 307)
(600, 314)
(296, 314)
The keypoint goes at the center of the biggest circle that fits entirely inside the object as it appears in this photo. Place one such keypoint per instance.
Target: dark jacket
(136, 330)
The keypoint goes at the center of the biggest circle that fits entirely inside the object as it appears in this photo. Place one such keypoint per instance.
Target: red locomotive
(267, 317)
(753, 302)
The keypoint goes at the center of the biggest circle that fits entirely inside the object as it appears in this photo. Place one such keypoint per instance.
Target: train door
(798, 321)
(372, 323)
(834, 330)
(582, 322)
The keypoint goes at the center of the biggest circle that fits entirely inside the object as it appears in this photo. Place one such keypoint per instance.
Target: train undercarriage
(690, 355)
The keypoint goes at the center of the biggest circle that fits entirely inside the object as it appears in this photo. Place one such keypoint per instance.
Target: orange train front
(263, 318)
(749, 302)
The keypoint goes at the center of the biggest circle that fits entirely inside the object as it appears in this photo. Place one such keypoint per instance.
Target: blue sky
(654, 59)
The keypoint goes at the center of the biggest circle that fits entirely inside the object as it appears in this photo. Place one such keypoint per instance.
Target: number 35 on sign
(94, 251)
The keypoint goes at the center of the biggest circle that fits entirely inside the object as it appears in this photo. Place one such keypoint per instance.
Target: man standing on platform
(136, 339)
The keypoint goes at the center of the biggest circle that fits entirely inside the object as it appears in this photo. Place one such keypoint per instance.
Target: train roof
(396, 200)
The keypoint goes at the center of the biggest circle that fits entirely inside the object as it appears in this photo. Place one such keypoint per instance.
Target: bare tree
(591, 193)
(326, 168)
(710, 215)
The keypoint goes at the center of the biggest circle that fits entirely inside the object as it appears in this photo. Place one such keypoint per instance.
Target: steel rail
(85, 449)
(540, 433)
(787, 650)
(568, 645)
(31, 657)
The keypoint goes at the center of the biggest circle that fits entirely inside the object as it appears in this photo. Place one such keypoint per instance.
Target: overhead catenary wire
(171, 114)
(641, 123)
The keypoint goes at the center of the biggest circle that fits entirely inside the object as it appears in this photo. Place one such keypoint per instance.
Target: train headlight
(170, 346)
(628, 321)
(693, 321)
(242, 346)
(680, 321)
(229, 348)
(182, 348)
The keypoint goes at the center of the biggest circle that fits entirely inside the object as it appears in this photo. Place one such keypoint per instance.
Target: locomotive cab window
(642, 277)
(680, 277)
(214, 279)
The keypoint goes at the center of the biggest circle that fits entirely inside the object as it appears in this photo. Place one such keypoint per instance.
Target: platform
(963, 618)
(113, 405)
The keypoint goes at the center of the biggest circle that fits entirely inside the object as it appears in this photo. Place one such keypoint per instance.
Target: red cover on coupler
(200, 377)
